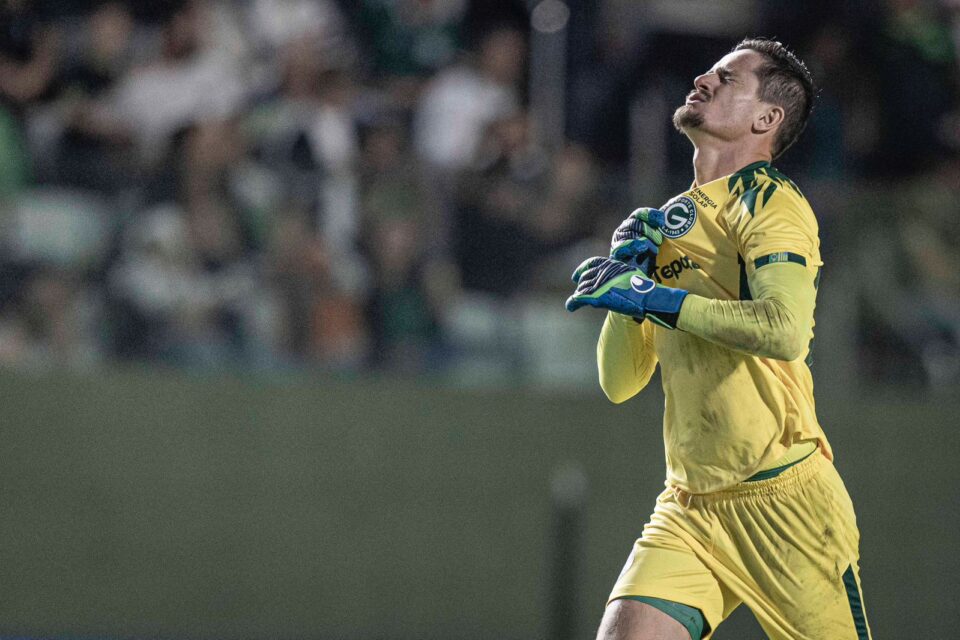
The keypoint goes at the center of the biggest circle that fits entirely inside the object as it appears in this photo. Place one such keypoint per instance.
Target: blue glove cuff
(663, 306)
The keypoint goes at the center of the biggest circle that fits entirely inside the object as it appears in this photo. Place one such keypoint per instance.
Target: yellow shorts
(786, 547)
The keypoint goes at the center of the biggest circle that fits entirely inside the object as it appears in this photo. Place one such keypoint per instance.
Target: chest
(699, 251)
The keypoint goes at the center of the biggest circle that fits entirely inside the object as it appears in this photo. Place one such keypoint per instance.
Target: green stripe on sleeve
(744, 284)
(782, 256)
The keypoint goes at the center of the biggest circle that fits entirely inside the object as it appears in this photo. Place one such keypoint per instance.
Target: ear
(770, 118)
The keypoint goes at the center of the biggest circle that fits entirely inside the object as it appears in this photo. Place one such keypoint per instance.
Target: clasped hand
(621, 283)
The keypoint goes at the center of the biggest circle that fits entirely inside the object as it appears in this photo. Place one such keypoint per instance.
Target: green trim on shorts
(773, 473)
(690, 617)
(856, 604)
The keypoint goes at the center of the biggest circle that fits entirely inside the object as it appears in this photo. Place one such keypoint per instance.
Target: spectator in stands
(93, 149)
(411, 37)
(517, 206)
(29, 58)
(191, 80)
(183, 287)
(29, 52)
(464, 99)
(276, 24)
(411, 285)
(279, 207)
(321, 321)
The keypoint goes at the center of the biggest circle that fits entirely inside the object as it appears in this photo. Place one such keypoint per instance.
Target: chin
(685, 117)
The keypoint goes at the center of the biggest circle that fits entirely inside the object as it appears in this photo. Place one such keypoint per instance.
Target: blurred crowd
(371, 185)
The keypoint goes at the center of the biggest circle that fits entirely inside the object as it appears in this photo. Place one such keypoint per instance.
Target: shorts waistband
(792, 476)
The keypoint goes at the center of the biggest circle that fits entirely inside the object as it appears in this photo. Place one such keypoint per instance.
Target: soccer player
(719, 287)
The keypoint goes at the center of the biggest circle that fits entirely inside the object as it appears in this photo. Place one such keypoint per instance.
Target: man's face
(724, 103)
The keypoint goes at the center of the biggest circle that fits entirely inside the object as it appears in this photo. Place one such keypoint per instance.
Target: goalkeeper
(718, 286)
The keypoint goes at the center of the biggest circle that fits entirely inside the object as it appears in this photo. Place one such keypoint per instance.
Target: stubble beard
(686, 118)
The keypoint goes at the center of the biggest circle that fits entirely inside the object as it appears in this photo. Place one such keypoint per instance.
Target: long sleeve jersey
(735, 372)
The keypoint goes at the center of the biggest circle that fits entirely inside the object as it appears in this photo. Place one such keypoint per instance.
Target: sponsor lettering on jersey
(703, 199)
(673, 269)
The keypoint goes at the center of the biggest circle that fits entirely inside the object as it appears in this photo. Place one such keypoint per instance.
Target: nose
(702, 83)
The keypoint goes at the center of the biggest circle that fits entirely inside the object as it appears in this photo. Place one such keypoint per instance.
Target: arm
(777, 324)
(625, 356)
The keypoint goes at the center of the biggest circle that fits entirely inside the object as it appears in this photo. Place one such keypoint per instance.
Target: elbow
(788, 336)
(786, 353)
(616, 393)
(619, 390)
(616, 396)
(787, 345)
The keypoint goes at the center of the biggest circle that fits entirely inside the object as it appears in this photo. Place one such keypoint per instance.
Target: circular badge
(642, 285)
(679, 216)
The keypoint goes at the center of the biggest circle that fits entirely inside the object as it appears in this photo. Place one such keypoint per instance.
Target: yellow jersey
(729, 414)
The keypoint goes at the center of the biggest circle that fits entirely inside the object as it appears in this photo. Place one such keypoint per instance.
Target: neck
(715, 161)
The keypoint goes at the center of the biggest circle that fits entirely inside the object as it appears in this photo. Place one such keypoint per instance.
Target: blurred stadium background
(283, 351)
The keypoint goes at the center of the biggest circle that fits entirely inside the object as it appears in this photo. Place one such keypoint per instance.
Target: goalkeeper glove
(615, 286)
(638, 238)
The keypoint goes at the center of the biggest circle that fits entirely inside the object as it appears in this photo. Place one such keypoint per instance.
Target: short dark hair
(786, 82)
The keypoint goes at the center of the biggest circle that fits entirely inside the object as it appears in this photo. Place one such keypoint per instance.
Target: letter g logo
(680, 214)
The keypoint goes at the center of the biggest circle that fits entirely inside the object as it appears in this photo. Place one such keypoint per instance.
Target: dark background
(156, 506)
(282, 344)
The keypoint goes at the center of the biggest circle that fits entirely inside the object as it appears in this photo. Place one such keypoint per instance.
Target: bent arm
(625, 356)
(776, 324)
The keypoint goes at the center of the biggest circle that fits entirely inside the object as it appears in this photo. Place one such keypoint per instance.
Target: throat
(716, 161)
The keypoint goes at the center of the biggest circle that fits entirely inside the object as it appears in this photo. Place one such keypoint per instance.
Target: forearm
(625, 356)
(777, 324)
(763, 328)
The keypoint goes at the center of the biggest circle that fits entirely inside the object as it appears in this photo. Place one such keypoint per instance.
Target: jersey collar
(750, 168)
(753, 166)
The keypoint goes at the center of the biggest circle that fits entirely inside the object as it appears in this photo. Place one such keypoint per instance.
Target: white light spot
(550, 16)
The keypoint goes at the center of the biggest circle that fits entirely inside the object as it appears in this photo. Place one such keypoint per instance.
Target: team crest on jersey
(680, 214)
